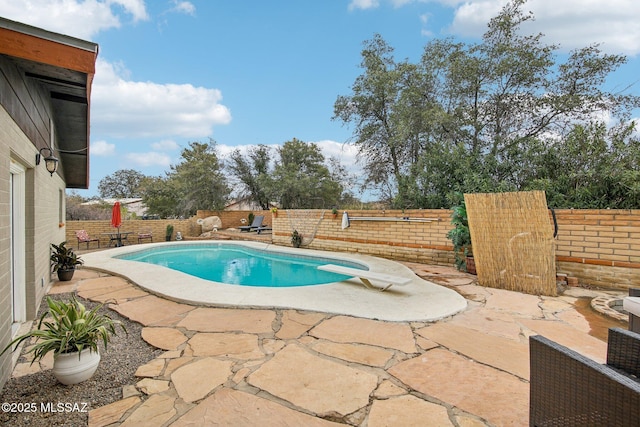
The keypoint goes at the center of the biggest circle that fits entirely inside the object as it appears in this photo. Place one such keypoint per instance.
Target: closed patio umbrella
(116, 219)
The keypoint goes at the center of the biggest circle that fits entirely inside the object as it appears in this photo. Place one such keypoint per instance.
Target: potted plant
(461, 239)
(296, 239)
(64, 261)
(274, 211)
(168, 232)
(334, 212)
(72, 333)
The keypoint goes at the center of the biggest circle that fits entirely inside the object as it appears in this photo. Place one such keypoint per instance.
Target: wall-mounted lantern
(50, 161)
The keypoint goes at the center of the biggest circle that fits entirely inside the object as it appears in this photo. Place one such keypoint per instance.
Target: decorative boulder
(210, 223)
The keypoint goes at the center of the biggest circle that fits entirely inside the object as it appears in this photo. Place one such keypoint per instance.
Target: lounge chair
(257, 223)
(263, 228)
(366, 276)
(83, 237)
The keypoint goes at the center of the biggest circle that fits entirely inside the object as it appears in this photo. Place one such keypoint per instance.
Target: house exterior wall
(20, 98)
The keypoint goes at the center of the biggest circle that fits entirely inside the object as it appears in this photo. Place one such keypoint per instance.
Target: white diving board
(366, 276)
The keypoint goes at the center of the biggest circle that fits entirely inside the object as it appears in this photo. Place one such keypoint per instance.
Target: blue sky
(263, 72)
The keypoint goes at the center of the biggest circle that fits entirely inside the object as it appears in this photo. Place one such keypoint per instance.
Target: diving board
(366, 276)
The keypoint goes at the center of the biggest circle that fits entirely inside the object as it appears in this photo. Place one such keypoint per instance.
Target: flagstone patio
(282, 367)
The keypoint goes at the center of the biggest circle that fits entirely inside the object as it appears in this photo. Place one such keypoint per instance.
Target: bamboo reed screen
(512, 241)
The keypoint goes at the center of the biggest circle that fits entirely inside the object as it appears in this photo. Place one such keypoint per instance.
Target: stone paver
(111, 413)
(407, 411)
(240, 346)
(155, 411)
(515, 302)
(494, 322)
(195, 380)
(359, 353)
(498, 352)
(94, 288)
(294, 323)
(153, 311)
(318, 385)
(285, 367)
(350, 329)
(164, 338)
(151, 369)
(496, 396)
(568, 336)
(151, 386)
(206, 319)
(234, 408)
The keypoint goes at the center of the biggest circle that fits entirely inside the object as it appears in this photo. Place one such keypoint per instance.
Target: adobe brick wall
(599, 247)
(157, 227)
(420, 239)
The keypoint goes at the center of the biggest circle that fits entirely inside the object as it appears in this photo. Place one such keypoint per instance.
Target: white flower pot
(68, 369)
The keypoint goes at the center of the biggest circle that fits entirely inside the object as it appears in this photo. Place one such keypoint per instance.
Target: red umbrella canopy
(116, 216)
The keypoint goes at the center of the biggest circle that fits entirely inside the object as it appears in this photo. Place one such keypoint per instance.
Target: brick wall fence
(599, 247)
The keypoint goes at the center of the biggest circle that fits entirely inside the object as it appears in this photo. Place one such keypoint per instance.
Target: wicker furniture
(569, 389)
(632, 305)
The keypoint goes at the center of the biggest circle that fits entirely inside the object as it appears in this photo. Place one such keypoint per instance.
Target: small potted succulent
(274, 212)
(64, 261)
(296, 239)
(334, 213)
(72, 333)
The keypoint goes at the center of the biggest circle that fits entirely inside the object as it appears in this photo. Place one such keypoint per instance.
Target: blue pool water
(239, 265)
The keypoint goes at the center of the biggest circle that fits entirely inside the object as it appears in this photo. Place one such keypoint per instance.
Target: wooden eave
(65, 67)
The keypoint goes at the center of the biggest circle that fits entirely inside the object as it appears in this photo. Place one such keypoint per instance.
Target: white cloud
(102, 148)
(165, 145)
(184, 7)
(570, 23)
(82, 19)
(345, 153)
(149, 159)
(121, 107)
(363, 4)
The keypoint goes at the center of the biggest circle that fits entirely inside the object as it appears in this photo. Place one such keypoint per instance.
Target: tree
(78, 210)
(160, 197)
(198, 179)
(123, 183)
(252, 173)
(300, 179)
(475, 117)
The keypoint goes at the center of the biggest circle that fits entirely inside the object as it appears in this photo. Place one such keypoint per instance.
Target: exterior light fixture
(50, 161)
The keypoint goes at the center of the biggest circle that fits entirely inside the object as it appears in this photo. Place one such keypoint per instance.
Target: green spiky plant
(68, 327)
(460, 235)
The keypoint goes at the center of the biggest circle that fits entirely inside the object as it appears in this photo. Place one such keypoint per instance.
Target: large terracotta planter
(471, 264)
(69, 369)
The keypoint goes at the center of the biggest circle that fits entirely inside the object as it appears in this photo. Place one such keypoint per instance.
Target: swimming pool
(420, 300)
(239, 265)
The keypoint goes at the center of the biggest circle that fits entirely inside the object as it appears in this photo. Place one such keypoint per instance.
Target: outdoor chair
(145, 235)
(83, 237)
(257, 223)
(569, 389)
(631, 305)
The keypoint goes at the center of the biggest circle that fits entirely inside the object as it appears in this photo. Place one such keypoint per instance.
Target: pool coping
(420, 300)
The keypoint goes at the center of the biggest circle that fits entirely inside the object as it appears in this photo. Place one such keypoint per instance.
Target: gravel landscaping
(50, 403)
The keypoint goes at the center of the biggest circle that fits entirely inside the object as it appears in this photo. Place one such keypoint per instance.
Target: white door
(18, 252)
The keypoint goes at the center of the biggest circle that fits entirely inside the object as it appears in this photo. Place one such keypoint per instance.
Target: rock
(210, 223)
